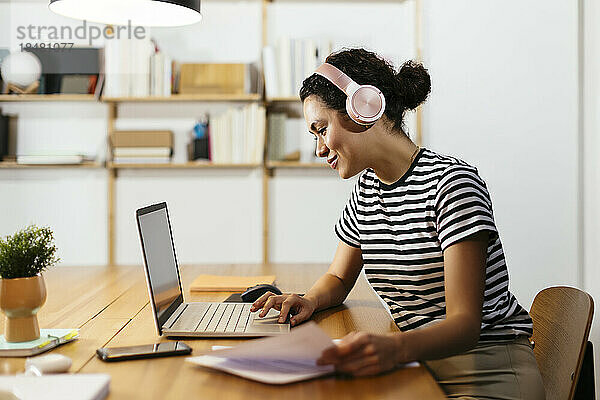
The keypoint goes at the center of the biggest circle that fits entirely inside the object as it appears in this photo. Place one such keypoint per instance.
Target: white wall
(206, 206)
(591, 181)
(504, 98)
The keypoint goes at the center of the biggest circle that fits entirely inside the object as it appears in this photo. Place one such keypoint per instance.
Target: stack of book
(136, 68)
(289, 139)
(147, 147)
(287, 64)
(237, 136)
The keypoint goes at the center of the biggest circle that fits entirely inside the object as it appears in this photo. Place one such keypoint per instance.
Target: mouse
(253, 293)
(47, 364)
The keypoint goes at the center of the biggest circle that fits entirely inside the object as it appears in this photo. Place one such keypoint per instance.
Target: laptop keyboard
(214, 317)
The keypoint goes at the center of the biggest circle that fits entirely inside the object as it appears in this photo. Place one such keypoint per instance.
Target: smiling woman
(421, 225)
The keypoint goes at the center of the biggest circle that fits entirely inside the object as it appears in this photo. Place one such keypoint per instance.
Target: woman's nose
(322, 150)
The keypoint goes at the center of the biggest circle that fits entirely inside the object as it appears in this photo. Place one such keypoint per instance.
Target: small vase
(20, 300)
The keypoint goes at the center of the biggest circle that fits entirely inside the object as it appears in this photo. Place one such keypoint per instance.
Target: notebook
(57, 387)
(220, 283)
(49, 339)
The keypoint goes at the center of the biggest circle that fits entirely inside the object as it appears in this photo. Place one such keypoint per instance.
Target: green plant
(27, 253)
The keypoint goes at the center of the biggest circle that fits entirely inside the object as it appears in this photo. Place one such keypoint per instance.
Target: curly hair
(403, 90)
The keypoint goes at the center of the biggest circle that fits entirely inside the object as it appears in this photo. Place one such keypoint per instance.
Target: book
(141, 139)
(142, 151)
(237, 135)
(49, 339)
(141, 160)
(51, 159)
(227, 283)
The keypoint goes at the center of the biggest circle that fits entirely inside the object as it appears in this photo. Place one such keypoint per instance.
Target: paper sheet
(275, 360)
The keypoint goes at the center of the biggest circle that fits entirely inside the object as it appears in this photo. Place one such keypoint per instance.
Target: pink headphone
(365, 104)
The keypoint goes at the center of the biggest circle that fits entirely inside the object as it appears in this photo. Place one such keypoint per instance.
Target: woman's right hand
(299, 308)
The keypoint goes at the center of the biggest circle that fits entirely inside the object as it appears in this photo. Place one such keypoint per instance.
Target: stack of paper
(275, 360)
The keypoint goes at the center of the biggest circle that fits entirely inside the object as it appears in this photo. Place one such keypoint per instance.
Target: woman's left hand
(360, 353)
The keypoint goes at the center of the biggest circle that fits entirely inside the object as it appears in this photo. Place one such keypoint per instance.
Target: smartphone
(144, 351)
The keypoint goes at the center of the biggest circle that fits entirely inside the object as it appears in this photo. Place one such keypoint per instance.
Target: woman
(422, 225)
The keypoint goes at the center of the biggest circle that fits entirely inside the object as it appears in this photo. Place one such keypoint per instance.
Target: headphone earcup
(365, 105)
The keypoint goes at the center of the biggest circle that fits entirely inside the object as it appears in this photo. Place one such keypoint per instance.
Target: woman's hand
(360, 353)
(299, 307)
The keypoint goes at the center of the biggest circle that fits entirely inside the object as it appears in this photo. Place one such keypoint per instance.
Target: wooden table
(110, 306)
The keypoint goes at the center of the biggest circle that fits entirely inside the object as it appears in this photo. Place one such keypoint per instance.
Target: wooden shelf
(188, 165)
(185, 97)
(296, 164)
(294, 99)
(14, 165)
(47, 97)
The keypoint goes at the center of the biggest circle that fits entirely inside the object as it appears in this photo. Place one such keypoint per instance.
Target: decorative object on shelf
(23, 258)
(8, 137)
(218, 78)
(21, 71)
(198, 148)
(131, 12)
(76, 71)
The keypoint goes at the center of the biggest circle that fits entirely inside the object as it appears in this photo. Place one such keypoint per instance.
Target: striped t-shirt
(402, 230)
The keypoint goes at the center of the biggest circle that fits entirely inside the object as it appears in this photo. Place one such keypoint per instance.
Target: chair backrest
(562, 317)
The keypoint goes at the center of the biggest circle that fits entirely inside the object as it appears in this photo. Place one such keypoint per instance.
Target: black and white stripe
(402, 230)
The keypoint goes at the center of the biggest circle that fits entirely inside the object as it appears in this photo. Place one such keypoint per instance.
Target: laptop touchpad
(267, 324)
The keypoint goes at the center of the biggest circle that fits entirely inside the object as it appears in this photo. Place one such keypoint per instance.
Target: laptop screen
(160, 260)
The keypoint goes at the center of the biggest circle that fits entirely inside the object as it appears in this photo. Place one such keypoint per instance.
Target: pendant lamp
(131, 12)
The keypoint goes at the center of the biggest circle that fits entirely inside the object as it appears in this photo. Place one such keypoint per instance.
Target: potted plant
(23, 257)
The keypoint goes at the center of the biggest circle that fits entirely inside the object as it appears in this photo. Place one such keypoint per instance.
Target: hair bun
(414, 82)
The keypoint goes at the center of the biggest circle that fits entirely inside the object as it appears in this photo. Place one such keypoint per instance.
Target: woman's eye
(321, 131)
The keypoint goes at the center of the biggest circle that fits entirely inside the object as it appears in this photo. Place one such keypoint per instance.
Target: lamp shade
(131, 12)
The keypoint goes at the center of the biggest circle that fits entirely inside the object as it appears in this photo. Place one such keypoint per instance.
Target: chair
(562, 317)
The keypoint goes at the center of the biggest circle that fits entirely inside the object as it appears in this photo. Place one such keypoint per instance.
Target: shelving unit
(14, 165)
(267, 167)
(296, 164)
(186, 97)
(46, 97)
(283, 100)
(188, 165)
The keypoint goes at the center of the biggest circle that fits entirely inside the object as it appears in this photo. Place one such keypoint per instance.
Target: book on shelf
(127, 67)
(289, 62)
(52, 159)
(142, 152)
(49, 339)
(288, 136)
(141, 146)
(237, 135)
(141, 160)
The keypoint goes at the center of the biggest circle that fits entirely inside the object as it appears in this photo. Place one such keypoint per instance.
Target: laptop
(174, 317)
